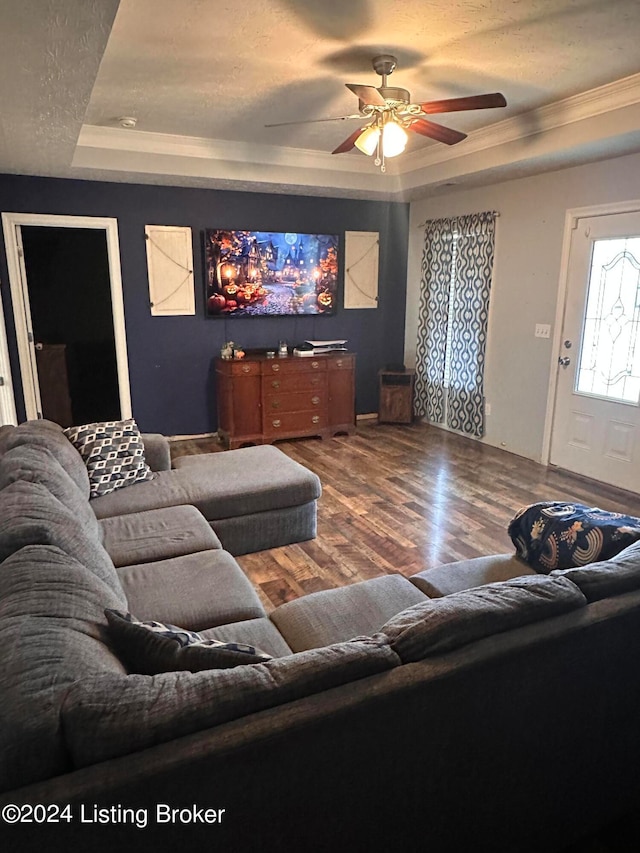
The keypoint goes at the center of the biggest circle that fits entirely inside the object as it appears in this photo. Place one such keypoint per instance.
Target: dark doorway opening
(72, 321)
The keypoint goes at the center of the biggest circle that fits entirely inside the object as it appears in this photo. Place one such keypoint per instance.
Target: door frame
(7, 398)
(571, 221)
(20, 298)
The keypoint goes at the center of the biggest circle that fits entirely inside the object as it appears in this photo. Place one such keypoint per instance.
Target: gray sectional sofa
(478, 706)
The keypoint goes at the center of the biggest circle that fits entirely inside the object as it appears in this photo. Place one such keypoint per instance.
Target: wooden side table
(395, 396)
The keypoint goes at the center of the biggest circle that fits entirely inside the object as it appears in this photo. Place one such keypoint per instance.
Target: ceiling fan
(391, 113)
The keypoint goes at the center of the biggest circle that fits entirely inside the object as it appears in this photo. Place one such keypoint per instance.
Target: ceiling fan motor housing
(384, 64)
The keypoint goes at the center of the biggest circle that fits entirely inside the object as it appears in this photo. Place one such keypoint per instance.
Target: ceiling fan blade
(314, 120)
(348, 143)
(473, 102)
(367, 94)
(437, 131)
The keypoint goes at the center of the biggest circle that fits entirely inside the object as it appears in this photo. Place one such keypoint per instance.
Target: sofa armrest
(156, 451)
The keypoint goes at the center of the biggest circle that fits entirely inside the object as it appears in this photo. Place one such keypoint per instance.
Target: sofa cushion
(334, 615)
(52, 633)
(36, 464)
(152, 647)
(443, 624)
(257, 632)
(157, 534)
(465, 574)
(197, 591)
(221, 485)
(271, 528)
(157, 451)
(557, 535)
(31, 515)
(113, 452)
(610, 577)
(109, 715)
(50, 436)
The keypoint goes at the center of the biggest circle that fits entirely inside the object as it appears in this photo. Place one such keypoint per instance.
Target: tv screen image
(270, 274)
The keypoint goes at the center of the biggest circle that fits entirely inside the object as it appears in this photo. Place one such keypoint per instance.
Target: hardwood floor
(404, 498)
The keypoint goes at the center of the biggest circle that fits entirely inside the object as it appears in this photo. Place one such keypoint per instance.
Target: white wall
(529, 235)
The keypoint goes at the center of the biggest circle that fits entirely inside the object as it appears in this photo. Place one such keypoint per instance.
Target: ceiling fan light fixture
(394, 139)
(367, 142)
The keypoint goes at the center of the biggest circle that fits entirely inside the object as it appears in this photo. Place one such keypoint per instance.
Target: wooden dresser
(262, 400)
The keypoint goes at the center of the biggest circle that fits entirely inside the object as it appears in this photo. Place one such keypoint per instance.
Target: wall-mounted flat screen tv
(270, 274)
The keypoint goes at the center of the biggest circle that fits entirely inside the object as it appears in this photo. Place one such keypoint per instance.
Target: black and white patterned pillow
(113, 452)
(149, 648)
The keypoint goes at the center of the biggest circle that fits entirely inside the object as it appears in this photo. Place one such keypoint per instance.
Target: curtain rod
(494, 212)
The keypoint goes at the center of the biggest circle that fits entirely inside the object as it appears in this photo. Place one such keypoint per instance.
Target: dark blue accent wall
(171, 358)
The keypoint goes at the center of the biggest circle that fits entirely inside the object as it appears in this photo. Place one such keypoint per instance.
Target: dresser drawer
(301, 423)
(342, 362)
(293, 365)
(288, 383)
(245, 368)
(303, 401)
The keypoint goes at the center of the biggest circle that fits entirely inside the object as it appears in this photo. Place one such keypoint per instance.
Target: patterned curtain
(456, 277)
(437, 264)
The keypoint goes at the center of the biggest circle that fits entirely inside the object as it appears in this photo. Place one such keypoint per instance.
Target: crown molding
(121, 151)
(141, 141)
(586, 105)
(214, 160)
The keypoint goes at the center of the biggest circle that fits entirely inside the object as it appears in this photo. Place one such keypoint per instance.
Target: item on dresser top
(320, 347)
(304, 349)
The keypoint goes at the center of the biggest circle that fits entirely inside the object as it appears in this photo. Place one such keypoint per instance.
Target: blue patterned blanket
(556, 535)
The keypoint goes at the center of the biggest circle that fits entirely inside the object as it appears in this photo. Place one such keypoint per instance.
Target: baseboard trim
(371, 416)
(191, 437)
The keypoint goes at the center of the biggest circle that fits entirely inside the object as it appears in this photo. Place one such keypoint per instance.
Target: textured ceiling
(203, 77)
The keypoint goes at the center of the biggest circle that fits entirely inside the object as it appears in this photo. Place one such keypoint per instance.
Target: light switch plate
(543, 330)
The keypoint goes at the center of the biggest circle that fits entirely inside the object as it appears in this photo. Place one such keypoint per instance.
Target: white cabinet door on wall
(361, 269)
(170, 269)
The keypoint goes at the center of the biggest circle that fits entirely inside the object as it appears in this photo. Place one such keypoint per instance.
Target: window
(610, 348)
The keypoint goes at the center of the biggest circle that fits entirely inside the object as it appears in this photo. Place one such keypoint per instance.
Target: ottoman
(254, 498)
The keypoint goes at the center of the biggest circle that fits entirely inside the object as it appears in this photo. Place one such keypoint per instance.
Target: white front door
(596, 426)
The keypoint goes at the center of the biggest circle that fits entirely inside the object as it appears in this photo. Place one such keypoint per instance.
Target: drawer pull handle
(315, 364)
(275, 384)
(245, 368)
(339, 362)
(315, 400)
(315, 419)
(275, 404)
(277, 422)
(275, 367)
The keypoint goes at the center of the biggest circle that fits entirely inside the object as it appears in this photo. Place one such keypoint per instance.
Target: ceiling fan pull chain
(378, 161)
